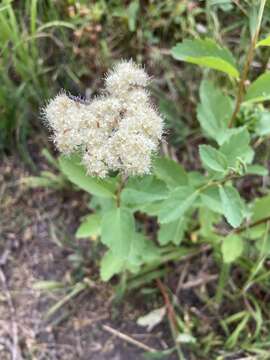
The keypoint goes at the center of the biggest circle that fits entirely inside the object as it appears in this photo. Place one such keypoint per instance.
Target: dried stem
(250, 56)
(171, 317)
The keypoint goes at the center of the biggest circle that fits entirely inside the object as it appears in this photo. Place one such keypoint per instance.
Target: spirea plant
(110, 149)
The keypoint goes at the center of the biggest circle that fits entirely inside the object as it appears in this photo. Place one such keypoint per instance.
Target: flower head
(118, 131)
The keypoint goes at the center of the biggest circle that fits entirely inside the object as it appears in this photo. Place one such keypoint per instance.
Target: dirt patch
(37, 243)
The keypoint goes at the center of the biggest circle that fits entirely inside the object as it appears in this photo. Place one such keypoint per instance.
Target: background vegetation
(50, 45)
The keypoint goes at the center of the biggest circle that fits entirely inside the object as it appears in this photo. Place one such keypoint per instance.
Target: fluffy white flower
(125, 76)
(119, 131)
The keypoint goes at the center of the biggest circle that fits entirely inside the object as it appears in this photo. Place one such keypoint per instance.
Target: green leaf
(232, 247)
(171, 172)
(144, 190)
(214, 111)
(178, 202)
(117, 230)
(132, 12)
(73, 169)
(257, 170)
(232, 205)
(91, 226)
(264, 42)
(261, 208)
(172, 232)
(211, 199)
(259, 90)
(119, 234)
(110, 265)
(213, 159)
(237, 147)
(263, 125)
(206, 53)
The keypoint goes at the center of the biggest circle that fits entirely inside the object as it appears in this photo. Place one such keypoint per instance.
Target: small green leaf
(110, 265)
(237, 147)
(232, 247)
(132, 13)
(144, 190)
(178, 202)
(171, 172)
(257, 170)
(259, 90)
(172, 232)
(206, 53)
(263, 125)
(214, 111)
(264, 42)
(73, 169)
(117, 230)
(232, 205)
(261, 208)
(119, 234)
(213, 159)
(91, 226)
(211, 199)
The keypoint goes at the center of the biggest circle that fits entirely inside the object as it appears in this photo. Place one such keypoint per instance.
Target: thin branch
(250, 56)
(128, 339)
(171, 317)
(248, 226)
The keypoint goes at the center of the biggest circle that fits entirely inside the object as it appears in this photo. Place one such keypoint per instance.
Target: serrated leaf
(214, 111)
(178, 202)
(211, 199)
(206, 53)
(237, 147)
(110, 265)
(117, 230)
(128, 249)
(144, 190)
(91, 226)
(75, 172)
(264, 42)
(171, 172)
(232, 247)
(213, 159)
(259, 90)
(232, 205)
(172, 232)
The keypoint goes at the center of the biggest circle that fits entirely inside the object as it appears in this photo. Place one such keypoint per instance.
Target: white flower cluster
(117, 131)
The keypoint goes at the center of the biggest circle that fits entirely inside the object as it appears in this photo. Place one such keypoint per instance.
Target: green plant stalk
(223, 277)
(250, 56)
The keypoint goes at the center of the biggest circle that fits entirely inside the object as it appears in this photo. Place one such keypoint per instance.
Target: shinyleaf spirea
(117, 131)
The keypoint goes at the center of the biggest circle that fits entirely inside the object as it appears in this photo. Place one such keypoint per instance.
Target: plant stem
(250, 56)
(171, 317)
(225, 269)
(122, 183)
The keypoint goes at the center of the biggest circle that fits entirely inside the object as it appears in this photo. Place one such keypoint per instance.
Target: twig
(250, 56)
(16, 353)
(171, 317)
(128, 339)
(248, 226)
(198, 282)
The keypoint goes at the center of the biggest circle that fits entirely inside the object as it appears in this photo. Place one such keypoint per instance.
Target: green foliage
(232, 247)
(232, 205)
(206, 53)
(214, 111)
(76, 173)
(259, 90)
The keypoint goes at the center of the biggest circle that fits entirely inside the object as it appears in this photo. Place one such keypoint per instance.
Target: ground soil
(37, 243)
